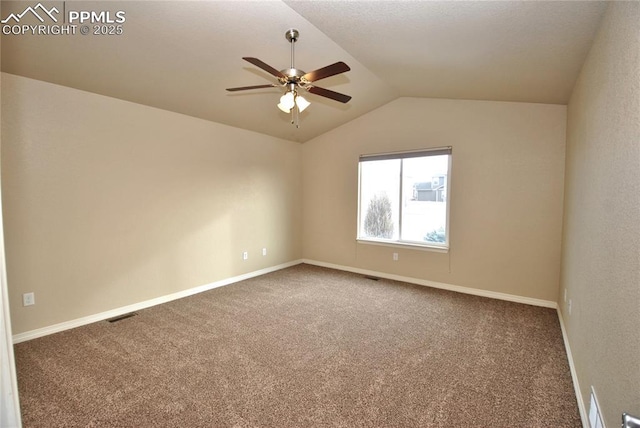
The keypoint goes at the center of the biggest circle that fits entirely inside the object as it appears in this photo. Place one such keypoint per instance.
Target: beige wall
(108, 203)
(506, 192)
(601, 243)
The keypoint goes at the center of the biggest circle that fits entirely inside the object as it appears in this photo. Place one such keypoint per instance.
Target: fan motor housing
(293, 75)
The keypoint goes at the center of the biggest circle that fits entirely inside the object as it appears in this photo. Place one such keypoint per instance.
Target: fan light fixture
(295, 80)
(292, 100)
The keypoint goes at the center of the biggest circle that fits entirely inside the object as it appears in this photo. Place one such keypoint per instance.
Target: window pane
(379, 199)
(424, 199)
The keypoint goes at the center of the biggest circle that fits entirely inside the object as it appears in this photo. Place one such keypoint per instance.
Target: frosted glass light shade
(286, 102)
(302, 103)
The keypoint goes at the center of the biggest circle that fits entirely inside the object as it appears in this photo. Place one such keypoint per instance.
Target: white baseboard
(574, 376)
(56, 328)
(442, 285)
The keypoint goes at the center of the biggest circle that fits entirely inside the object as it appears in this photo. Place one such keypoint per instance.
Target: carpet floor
(306, 347)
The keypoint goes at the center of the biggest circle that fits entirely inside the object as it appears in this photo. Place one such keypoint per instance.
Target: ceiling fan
(294, 80)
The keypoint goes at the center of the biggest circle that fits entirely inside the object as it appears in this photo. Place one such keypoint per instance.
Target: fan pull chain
(295, 116)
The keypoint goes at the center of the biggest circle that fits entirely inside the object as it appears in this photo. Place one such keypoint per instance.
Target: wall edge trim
(78, 322)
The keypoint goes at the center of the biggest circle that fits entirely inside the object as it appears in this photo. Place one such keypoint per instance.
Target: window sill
(397, 244)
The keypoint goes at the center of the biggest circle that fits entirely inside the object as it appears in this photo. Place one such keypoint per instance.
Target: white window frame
(398, 242)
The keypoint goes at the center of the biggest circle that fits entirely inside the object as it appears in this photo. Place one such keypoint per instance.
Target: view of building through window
(404, 199)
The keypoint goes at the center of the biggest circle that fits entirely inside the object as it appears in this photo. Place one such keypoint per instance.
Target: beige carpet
(306, 347)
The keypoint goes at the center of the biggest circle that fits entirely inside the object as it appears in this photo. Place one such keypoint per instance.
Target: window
(404, 198)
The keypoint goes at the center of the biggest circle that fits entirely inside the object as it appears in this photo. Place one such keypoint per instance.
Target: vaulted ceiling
(181, 55)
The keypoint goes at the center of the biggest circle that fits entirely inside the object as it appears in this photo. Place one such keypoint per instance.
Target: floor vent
(123, 317)
(372, 278)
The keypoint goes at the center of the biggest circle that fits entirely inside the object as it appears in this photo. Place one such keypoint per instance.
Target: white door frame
(9, 401)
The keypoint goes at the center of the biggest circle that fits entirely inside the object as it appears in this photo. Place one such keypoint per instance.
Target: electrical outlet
(395, 257)
(28, 299)
(264, 251)
(245, 255)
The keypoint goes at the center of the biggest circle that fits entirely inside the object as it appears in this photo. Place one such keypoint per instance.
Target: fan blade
(244, 88)
(328, 71)
(265, 67)
(329, 94)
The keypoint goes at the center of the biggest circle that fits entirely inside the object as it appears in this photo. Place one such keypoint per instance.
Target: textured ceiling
(181, 55)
